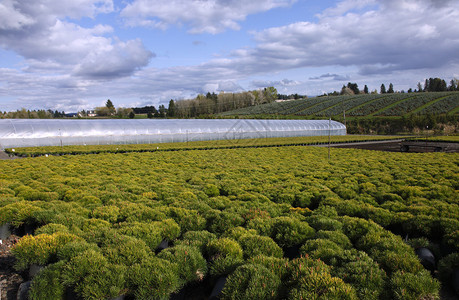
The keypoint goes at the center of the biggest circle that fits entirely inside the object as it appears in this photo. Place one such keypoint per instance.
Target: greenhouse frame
(52, 132)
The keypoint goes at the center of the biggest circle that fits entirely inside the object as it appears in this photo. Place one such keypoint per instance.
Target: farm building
(34, 133)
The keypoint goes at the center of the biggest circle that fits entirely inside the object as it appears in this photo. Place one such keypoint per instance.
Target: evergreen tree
(171, 108)
(391, 88)
(383, 89)
(131, 115)
(365, 89)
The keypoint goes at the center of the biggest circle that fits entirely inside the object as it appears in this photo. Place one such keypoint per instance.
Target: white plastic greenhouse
(34, 132)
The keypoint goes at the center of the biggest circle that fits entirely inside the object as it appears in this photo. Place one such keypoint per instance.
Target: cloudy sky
(75, 54)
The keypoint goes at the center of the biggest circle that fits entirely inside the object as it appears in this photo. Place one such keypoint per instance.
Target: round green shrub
(235, 233)
(278, 266)
(289, 232)
(147, 232)
(93, 277)
(221, 266)
(225, 221)
(251, 282)
(18, 213)
(197, 239)
(224, 247)
(337, 237)
(407, 286)
(74, 248)
(108, 213)
(47, 284)
(193, 265)
(51, 228)
(254, 245)
(264, 226)
(363, 273)
(187, 219)
(311, 279)
(324, 250)
(153, 278)
(319, 222)
(123, 249)
(40, 249)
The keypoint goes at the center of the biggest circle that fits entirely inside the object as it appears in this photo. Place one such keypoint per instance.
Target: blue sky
(75, 54)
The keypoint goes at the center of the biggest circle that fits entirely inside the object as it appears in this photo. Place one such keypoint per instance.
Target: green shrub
(197, 239)
(278, 266)
(137, 212)
(123, 249)
(235, 233)
(319, 222)
(224, 247)
(18, 213)
(225, 221)
(251, 282)
(108, 213)
(290, 232)
(39, 249)
(153, 278)
(221, 265)
(187, 219)
(150, 233)
(51, 228)
(362, 272)
(47, 284)
(254, 245)
(311, 279)
(264, 226)
(337, 237)
(324, 250)
(74, 248)
(93, 277)
(192, 264)
(407, 286)
(95, 225)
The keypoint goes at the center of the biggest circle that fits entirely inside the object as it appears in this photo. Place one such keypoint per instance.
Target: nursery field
(271, 223)
(367, 105)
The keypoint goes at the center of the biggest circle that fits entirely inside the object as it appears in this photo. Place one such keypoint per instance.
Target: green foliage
(290, 232)
(251, 281)
(93, 277)
(40, 249)
(360, 271)
(122, 249)
(324, 250)
(18, 213)
(224, 247)
(47, 284)
(198, 239)
(311, 279)
(254, 245)
(153, 278)
(337, 237)
(118, 207)
(193, 266)
(407, 286)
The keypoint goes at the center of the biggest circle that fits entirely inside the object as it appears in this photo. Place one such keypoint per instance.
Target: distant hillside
(368, 105)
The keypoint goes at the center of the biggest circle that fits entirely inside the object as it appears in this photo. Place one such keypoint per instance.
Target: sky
(70, 55)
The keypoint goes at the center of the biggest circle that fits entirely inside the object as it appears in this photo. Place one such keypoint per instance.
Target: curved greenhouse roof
(34, 132)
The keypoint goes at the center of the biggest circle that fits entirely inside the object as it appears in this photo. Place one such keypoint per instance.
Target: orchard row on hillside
(280, 223)
(399, 104)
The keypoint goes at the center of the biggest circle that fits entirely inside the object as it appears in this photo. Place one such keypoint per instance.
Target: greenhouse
(34, 133)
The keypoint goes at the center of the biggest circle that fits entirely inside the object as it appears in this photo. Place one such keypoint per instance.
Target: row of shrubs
(201, 145)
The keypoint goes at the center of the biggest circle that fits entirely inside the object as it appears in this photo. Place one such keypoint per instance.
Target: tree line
(430, 85)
